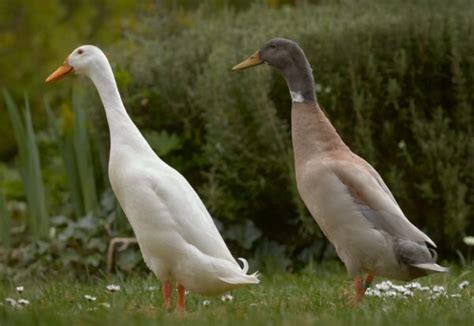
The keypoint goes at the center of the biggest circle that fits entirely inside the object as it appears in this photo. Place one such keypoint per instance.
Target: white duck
(177, 237)
(345, 194)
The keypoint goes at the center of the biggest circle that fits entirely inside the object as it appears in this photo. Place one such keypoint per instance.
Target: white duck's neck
(123, 132)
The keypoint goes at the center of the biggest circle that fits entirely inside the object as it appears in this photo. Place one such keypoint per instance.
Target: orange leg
(166, 288)
(359, 290)
(361, 286)
(369, 278)
(180, 304)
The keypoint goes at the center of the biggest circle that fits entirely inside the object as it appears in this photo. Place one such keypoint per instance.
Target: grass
(29, 164)
(315, 296)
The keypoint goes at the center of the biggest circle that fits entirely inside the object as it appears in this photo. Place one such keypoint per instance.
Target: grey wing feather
(376, 203)
(411, 252)
(380, 220)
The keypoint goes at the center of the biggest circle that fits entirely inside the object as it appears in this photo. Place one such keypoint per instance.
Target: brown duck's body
(337, 186)
(345, 194)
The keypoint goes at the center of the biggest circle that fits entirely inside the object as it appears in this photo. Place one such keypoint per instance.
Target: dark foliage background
(395, 78)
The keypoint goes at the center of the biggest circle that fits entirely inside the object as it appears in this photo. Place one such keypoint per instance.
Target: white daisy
(113, 287)
(464, 284)
(469, 240)
(413, 285)
(399, 288)
(373, 292)
(90, 298)
(391, 294)
(439, 289)
(227, 297)
(10, 301)
(105, 304)
(384, 286)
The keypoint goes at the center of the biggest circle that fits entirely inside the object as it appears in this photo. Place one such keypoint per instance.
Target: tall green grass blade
(5, 222)
(36, 190)
(72, 135)
(30, 166)
(20, 136)
(64, 139)
(17, 124)
(83, 154)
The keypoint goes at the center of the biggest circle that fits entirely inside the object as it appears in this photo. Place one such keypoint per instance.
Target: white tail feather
(242, 279)
(431, 267)
(244, 261)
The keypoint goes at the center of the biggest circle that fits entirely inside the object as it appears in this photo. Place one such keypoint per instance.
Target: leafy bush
(394, 79)
(74, 248)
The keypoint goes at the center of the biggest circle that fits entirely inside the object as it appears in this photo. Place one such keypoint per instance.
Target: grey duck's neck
(299, 78)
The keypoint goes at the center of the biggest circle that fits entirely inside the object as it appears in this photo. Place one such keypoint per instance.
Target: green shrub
(394, 78)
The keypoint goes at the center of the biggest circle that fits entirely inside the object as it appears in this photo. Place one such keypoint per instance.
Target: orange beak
(253, 60)
(63, 70)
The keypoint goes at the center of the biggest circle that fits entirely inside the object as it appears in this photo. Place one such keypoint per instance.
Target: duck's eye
(273, 46)
(80, 51)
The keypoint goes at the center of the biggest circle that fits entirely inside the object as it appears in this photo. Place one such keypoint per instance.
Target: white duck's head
(84, 60)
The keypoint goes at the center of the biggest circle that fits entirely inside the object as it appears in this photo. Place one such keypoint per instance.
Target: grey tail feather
(434, 254)
(431, 267)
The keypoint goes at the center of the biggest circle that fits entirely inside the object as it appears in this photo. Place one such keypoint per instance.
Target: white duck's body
(176, 234)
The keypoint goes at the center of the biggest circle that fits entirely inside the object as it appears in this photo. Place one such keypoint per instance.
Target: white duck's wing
(192, 220)
(374, 200)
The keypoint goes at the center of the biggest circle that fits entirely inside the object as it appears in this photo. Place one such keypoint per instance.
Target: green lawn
(315, 296)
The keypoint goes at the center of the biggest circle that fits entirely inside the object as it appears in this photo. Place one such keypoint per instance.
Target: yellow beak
(253, 60)
(62, 71)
